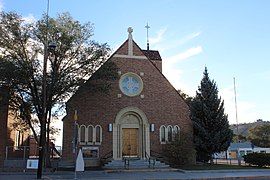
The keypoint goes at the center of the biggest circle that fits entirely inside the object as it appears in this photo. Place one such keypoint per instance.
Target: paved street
(155, 174)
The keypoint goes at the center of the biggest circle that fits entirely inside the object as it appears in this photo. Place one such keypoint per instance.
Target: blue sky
(231, 38)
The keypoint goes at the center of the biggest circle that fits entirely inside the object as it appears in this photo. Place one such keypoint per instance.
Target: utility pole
(42, 138)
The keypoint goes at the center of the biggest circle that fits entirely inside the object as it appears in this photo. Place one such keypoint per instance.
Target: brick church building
(141, 113)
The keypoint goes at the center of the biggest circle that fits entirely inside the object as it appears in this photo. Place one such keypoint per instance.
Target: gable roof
(152, 55)
(137, 53)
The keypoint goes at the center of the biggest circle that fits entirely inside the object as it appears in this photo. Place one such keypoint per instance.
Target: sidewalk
(143, 174)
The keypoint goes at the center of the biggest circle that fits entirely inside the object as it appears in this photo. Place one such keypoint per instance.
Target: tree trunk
(211, 160)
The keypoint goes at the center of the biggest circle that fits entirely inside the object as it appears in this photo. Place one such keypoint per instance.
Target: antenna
(235, 106)
(147, 28)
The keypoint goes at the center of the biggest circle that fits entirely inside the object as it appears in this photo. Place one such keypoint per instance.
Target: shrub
(259, 159)
(180, 151)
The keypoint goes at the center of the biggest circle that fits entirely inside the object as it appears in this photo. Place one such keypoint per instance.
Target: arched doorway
(131, 134)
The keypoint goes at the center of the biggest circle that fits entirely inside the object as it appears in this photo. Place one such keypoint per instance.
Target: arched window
(82, 133)
(98, 134)
(176, 133)
(90, 134)
(162, 132)
(170, 133)
(18, 138)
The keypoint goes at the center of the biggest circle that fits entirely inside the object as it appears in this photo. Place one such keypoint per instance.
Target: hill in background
(244, 128)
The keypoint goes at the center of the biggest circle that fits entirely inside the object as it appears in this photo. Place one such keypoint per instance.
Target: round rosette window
(131, 84)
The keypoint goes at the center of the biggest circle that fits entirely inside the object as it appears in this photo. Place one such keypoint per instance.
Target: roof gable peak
(129, 49)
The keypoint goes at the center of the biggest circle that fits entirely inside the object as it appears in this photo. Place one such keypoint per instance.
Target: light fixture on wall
(110, 127)
(152, 127)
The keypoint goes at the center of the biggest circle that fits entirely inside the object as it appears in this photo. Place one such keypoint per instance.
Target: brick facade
(8, 133)
(3, 123)
(159, 101)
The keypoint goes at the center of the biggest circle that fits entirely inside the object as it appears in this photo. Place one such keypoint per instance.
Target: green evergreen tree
(210, 123)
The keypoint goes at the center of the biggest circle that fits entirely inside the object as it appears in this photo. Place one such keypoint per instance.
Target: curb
(221, 178)
(141, 170)
(232, 178)
(224, 171)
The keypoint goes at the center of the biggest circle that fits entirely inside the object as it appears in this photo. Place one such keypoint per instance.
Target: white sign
(79, 162)
(32, 164)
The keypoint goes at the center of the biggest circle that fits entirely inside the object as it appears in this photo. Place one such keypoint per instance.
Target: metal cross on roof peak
(130, 30)
(147, 37)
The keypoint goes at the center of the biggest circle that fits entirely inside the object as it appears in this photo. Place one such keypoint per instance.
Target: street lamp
(52, 45)
(42, 138)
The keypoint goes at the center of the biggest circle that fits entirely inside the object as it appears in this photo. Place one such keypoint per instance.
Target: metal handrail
(126, 160)
(107, 157)
(160, 156)
(149, 158)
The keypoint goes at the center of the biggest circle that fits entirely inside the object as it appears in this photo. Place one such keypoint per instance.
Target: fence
(229, 161)
(29, 152)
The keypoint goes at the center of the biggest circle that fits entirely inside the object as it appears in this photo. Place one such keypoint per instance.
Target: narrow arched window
(98, 134)
(162, 132)
(90, 134)
(176, 133)
(17, 139)
(170, 133)
(82, 131)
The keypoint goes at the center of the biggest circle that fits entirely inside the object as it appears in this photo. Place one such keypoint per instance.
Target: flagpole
(237, 131)
(236, 117)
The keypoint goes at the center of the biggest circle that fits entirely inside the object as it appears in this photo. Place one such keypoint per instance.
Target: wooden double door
(130, 142)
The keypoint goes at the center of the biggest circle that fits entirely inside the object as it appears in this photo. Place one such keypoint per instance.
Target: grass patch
(215, 167)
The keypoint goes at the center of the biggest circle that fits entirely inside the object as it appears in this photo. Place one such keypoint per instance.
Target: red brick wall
(158, 64)
(7, 132)
(3, 123)
(161, 104)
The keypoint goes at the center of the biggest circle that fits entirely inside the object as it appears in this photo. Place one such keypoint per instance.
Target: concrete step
(135, 164)
(66, 164)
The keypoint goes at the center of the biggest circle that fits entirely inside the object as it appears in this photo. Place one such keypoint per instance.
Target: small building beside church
(139, 115)
(13, 138)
